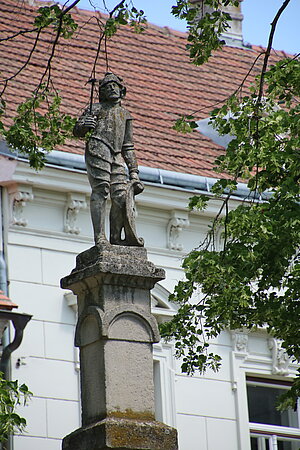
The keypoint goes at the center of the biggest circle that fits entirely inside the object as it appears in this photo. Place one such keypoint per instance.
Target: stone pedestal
(115, 333)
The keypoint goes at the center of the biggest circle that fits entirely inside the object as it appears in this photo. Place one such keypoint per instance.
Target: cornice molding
(75, 181)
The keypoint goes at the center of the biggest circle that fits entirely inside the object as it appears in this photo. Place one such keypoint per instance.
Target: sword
(92, 82)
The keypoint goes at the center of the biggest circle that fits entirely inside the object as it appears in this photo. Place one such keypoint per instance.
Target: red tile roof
(6, 303)
(161, 82)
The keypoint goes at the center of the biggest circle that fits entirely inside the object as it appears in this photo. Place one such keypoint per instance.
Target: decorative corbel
(75, 203)
(179, 220)
(280, 359)
(240, 341)
(19, 197)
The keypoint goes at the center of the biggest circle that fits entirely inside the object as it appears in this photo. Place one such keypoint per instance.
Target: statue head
(111, 87)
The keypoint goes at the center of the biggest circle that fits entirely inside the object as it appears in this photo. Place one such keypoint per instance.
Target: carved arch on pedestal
(126, 322)
(163, 359)
(130, 322)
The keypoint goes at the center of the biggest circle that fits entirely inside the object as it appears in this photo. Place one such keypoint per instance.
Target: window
(164, 364)
(157, 391)
(271, 429)
(164, 383)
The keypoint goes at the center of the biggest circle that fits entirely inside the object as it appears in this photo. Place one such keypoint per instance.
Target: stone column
(115, 332)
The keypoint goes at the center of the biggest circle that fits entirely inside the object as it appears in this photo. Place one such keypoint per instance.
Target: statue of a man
(109, 145)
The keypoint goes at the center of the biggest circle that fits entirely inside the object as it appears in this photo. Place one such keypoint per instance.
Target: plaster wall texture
(45, 361)
(205, 398)
(205, 408)
(36, 443)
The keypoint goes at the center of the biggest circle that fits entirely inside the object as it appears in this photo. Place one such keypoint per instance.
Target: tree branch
(93, 72)
(119, 5)
(39, 30)
(269, 48)
(21, 32)
(26, 62)
(55, 42)
(65, 11)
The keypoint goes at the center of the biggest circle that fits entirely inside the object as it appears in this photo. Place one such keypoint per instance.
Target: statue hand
(138, 187)
(90, 122)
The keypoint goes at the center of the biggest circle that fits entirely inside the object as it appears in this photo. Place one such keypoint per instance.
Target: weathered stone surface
(122, 434)
(114, 265)
(115, 332)
(109, 145)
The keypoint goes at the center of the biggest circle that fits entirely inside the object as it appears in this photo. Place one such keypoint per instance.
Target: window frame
(253, 353)
(272, 433)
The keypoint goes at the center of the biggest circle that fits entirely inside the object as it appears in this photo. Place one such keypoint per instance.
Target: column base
(122, 434)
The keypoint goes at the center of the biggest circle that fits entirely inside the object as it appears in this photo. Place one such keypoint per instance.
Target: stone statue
(110, 144)
(115, 330)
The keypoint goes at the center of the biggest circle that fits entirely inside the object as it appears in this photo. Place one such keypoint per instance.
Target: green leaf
(11, 395)
(36, 133)
(185, 124)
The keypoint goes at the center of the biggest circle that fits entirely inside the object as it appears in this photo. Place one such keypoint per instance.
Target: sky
(258, 15)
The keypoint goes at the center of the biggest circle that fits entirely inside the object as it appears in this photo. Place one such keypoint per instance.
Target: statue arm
(130, 158)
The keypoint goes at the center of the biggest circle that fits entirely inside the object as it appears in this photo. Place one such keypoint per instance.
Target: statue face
(111, 91)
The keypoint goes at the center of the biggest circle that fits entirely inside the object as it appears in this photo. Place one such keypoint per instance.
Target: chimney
(233, 36)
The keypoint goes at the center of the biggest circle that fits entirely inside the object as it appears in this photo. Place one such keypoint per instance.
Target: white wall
(210, 411)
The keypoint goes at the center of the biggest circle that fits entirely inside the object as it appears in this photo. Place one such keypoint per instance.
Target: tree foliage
(12, 394)
(253, 279)
(40, 125)
(205, 24)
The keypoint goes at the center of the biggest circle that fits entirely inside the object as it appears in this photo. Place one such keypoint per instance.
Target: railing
(270, 437)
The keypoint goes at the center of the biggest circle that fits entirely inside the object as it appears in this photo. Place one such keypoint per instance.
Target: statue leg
(98, 207)
(98, 164)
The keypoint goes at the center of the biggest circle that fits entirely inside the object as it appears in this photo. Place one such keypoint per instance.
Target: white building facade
(46, 223)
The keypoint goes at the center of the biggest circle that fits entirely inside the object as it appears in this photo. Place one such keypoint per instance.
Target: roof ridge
(164, 29)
